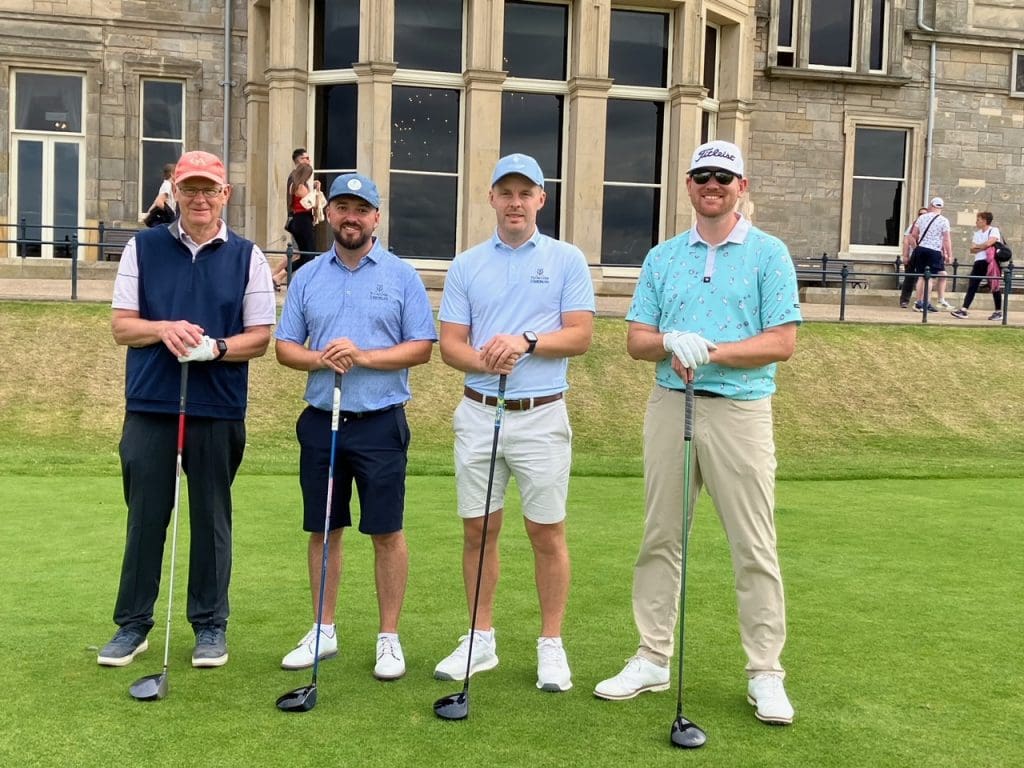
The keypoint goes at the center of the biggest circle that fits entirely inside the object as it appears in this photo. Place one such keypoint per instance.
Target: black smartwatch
(222, 349)
(531, 340)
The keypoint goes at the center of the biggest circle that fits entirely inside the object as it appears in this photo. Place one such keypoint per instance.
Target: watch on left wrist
(222, 349)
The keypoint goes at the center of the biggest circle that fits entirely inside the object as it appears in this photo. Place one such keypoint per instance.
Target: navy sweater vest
(207, 291)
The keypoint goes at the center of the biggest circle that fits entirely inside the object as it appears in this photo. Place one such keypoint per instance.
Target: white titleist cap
(936, 202)
(718, 154)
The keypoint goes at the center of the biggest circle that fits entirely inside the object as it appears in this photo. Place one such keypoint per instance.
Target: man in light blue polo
(520, 304)
(717, 303)
(360, 311)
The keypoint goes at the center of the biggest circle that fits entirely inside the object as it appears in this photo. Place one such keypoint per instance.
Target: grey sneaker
(124, 646)
(996, 316)
(960, 314)
(211, 648)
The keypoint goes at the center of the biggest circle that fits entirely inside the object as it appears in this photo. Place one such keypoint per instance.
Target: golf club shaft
(335, 418)
(687, 457)
(499, 413)
(182, 395)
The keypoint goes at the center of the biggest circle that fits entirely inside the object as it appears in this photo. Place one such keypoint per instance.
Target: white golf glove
(205, 350)
(692, 349)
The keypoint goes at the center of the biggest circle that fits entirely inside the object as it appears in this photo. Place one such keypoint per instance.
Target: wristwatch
(531, 340)
(222, 349)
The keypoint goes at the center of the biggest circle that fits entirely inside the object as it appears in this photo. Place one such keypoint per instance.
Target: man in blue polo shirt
(717, 303)
(519, 304)
(360, 311)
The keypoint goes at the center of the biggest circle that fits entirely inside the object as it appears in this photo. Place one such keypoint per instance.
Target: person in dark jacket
(191, 292)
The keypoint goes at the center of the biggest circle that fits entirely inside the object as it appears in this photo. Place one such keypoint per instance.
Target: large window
(879, 186)
(827, 33)
(535, 55)
(335, 34)
(639, 64)
(712, 68)
(161, 134)
(337, 107)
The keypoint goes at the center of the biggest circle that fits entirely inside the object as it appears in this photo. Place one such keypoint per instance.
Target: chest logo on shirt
(378, 293)
(539, 277)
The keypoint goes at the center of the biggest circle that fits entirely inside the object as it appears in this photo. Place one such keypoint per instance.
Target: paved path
(95, 290)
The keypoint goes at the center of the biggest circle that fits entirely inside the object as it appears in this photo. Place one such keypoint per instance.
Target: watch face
(530, 336)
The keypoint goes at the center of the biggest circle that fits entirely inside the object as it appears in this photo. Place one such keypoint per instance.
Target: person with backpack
(985, 267)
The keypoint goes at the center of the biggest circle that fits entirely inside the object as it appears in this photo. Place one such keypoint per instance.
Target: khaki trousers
(733, 456)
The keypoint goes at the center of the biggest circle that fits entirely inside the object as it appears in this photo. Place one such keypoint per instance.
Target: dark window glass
(785, 23)
(710, 60)
(550, 216)
(831, 33)
(536, 38)
(335, 34)
(65, 195)
(879, 152)
(155, 155)
(705, 127)
(424, 129)
(785, 59)
(876, 212)
(336, 113)
(30, 196)
(422, 215)
(161, 109)
(428, 35)
(48, 103)
(531, 123)
(877, 33)
(1020, 73)
(629, 223)
(633, 142)
(639, 48)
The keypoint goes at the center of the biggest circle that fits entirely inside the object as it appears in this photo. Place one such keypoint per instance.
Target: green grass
(900, 466)
(903, 637)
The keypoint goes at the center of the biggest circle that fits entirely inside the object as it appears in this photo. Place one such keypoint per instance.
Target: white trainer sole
(490, 664)
(122, 661)
(649, 688)
(768, 720)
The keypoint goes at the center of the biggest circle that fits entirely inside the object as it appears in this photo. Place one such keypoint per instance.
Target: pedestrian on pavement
(984, 267)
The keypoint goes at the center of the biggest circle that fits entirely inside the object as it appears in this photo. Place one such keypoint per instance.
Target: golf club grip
(182, 399)
(500, 411)
(688, 418)
(336, 402)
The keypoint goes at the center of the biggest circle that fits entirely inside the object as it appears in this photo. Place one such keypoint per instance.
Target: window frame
(142, 139)
(860, 48)
(912, 180)
(1016, 72)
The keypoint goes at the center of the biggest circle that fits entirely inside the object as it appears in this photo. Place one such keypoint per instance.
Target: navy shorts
(931, 259)
(371, 451)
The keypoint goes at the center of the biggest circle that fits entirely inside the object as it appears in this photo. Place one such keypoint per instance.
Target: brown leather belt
(523, 404)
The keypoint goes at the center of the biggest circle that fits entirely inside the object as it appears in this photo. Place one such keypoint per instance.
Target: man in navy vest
(190, 291)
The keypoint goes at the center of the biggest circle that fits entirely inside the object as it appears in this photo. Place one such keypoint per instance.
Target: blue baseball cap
(357, 185)
(524, 165)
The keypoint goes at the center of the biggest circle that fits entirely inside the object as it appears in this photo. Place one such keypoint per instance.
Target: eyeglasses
(724, 178)
(208, 192)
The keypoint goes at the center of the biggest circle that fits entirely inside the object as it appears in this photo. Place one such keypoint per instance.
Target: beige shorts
(535, 446)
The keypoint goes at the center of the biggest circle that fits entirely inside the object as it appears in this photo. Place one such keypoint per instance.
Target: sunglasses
(724, 178)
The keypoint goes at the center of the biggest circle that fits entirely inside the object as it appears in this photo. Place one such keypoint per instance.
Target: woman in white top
(165, 195)
(984, 267)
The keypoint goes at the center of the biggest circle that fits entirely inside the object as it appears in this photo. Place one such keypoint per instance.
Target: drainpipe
(931, 104)
(227, 83)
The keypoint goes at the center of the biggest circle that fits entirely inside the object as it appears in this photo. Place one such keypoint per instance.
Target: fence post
(288, 252)
(23, 238)
(824, 270)
(956, 266)
(927, 294)
(1007, 287)
(74, 265)
(842, 293)
(99, 243)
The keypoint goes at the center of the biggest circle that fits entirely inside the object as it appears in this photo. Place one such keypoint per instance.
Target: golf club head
(149, 688)
(454, 707)
(300, 700)
(687, 735)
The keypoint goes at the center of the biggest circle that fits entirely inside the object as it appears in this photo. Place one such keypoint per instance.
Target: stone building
(830, 98)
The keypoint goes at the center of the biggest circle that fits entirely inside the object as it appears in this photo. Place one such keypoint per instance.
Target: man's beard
(351, 242)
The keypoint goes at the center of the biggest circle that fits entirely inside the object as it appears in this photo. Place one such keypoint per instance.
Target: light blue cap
(357, 185)
(524, 165)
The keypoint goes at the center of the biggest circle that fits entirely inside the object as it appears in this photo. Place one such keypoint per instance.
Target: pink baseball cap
(202, 165)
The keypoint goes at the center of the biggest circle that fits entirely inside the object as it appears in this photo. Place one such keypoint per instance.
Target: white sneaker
(390, 659)
(301, 657)
(485, 657)
(637, 676)
(945, 304)
(766, 692)
(552, 667)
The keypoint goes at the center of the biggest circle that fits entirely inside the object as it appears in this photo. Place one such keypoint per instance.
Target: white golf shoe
(639, 675)
(301, 657)
(390, 659)
(767, 693)
(552, 667)
(485, 656)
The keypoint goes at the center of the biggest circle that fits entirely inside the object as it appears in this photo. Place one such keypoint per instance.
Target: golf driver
(304, 699)
(154, 687)
(685, 734)
(456, 706)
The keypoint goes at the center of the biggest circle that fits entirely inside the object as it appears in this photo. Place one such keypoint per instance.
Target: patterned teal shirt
(727, 292)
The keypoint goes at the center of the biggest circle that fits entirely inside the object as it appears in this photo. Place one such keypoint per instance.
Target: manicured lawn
(904, 622)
